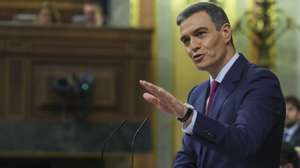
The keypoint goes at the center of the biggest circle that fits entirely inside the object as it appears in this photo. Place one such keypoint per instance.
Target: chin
(289, 124)
(202, 67)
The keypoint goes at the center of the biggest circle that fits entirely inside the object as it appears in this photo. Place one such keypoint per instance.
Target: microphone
(107, 140)
(134, 138)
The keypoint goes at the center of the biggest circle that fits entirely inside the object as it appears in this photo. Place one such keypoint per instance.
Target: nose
(195, 44)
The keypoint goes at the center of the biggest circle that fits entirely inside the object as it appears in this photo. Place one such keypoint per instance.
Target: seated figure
(48, 14)
(92, 14)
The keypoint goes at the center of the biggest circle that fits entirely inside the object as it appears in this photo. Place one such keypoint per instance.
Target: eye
(185, 40)
(200, 33)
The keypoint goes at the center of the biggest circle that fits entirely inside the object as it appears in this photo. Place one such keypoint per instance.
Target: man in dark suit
(292, 125)
(236, 118)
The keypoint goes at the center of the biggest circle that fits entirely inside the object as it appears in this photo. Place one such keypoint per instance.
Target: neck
(229, 54)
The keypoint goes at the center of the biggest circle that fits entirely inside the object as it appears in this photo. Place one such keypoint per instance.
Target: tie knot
(214, 86)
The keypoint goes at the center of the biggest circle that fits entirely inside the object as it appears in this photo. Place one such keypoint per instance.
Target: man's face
(292, 114)
(89, 12)
(44, 16)
(205, 45)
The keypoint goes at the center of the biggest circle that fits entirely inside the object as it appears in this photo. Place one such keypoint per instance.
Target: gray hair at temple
(216, 13)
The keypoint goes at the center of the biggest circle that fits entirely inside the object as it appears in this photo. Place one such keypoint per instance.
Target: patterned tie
(212, 92)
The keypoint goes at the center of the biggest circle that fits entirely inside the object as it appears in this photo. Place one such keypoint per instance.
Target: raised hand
(162, 99)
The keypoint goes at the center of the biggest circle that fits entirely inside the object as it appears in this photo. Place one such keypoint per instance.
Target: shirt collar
(292, 129)
(225, 69)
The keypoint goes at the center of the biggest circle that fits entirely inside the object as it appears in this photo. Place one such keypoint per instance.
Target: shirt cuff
(189, 128)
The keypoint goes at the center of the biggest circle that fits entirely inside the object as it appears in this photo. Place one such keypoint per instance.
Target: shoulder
(261, 75)
(243, 69)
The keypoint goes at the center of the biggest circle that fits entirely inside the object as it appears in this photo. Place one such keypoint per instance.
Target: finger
(166, 98)
(162, 99)
(151, 99)
(152, 88)
(165, 102)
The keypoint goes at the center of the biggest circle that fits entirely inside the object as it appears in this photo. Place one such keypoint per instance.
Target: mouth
(198, 57)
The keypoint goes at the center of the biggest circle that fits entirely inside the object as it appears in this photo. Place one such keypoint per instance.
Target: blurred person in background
(48, 14)
(92, 14)
(292, 130)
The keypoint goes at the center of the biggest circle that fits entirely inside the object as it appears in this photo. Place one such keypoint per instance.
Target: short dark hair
(293, 100)
(216, 13)
(288, 154)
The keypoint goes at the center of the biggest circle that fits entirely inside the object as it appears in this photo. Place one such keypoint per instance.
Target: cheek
(189, 52)
(291, 114)
(215, 44)
(211, 42)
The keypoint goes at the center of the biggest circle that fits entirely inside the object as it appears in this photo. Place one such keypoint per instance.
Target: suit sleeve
(260, 109)
(186, 157)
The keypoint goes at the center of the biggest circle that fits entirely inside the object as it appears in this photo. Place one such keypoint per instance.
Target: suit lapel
(223, 92)
(201, 100)
(228, 85)
(295, 137)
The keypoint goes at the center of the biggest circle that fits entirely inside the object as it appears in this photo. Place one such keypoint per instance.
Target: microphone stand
(107, 139)
(134, 138)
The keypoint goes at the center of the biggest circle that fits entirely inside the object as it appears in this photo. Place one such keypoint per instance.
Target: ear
(226, 32)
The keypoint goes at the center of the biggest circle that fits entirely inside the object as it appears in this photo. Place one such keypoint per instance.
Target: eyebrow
(200, 29)
(194, 31)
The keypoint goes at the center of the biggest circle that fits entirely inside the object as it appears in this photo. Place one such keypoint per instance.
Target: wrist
(188, 111)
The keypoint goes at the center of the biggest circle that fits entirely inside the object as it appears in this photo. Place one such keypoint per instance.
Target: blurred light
(85, 87)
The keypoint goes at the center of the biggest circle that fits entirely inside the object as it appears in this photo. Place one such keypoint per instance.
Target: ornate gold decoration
(264, 25)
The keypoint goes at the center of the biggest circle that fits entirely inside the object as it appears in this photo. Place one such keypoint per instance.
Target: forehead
(195, 21)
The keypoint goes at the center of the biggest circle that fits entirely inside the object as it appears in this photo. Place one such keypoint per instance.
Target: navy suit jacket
(244, 127)
(295, 139)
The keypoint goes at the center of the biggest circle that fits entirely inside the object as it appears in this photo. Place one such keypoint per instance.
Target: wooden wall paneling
(57, 41)
(5, 98)
(16, 95)
(54, 51)
(3, 85)
(142, 72)
(107, 97)
(27, 76)
(33, 56)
